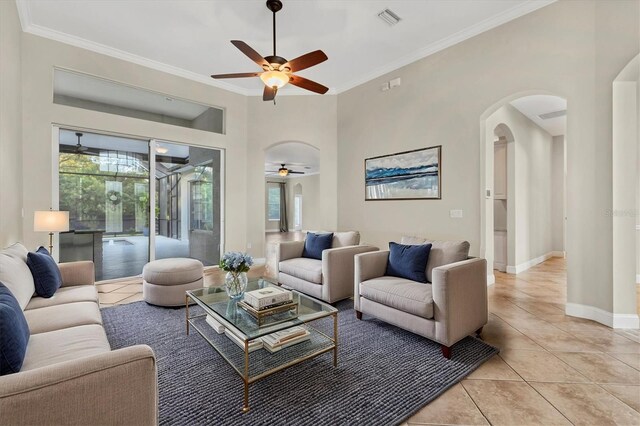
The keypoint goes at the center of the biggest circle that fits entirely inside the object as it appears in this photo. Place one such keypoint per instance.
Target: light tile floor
(552, 368)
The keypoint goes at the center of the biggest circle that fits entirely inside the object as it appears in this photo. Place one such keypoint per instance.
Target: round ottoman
(165, 281)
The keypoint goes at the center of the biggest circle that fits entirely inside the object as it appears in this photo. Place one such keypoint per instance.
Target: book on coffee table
(253, 344)
(267, 296)
(282, 339)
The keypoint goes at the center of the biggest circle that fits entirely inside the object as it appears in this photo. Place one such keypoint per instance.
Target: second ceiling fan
(277, 71)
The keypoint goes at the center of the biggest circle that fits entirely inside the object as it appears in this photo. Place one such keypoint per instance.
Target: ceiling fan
(277, 71)
(283, 171)
(78, 148)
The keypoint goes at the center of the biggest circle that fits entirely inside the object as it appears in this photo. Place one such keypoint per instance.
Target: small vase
(235, 283)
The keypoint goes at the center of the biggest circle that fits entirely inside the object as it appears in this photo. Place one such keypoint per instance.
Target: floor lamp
(51, 221)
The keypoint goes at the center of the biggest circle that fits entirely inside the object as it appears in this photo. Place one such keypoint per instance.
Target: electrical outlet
(456, 214)
(248, 245)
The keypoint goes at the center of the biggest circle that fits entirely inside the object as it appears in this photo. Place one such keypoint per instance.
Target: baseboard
(603, 317)
(271, 230)
(502, 267)
(259, 260)
(562, 254)
(533, 262)
(491, 279)
(638, 279)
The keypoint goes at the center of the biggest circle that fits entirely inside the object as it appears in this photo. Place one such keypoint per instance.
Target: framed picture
(410, 175)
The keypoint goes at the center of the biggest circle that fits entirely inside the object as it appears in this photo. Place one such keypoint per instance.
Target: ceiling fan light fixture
(162, 150)
(283, 171)
(274, 78)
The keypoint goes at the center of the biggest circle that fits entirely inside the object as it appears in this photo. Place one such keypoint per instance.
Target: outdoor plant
(235, 261)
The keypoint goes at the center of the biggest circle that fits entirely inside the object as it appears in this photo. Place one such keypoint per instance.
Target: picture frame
(408, 175)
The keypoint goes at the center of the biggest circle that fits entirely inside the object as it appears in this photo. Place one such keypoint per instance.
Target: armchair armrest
(77, 273)
(289, 250)
(368, 266)
(460, 299)
(337, 271)
(117, 387)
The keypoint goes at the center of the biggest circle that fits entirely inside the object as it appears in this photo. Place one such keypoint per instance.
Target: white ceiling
(295, 155)
(191, 38)
(536, 105)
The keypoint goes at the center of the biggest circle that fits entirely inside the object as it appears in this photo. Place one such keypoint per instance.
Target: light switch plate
(456, 214)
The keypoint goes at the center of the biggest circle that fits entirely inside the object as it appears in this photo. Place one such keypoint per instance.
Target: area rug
(384, 374)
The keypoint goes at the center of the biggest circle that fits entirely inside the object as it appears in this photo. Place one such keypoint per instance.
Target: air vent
(554, 114)
(389, 17)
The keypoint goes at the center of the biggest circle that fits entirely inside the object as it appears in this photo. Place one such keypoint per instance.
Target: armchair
(451, 306)
(329, 279)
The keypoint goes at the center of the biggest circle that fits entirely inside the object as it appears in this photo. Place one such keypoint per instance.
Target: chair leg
(359, 315)
(479, 333)
(446, 351)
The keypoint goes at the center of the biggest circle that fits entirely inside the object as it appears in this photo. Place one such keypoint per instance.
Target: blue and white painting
(414, 174)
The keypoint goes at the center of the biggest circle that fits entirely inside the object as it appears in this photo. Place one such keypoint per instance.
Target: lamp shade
(51, 221)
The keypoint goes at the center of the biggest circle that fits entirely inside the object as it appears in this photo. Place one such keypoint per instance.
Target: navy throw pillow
(45, 271)
(408, 262)
(314, 244)
(14, 333)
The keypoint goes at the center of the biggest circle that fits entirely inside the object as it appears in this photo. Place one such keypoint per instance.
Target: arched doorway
(523, 195)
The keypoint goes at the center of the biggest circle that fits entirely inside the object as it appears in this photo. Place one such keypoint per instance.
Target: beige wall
(311, 202)
(557, 193)
(307, 119)
(10, 126)
(573, 49)
(40, 56)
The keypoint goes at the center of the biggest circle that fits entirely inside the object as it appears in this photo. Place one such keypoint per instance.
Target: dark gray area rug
(384, 374)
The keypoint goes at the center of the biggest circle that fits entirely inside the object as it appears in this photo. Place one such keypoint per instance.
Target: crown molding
(460, 36)
(515, 12)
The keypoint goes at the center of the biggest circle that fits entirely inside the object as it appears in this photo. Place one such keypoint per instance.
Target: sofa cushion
(315, 244)
(79, 293)
(62, 316)
(65, 345)
(442, 252)
(400, 293)
(17, 250)
(408, 261)
(16, 276)
(46, 274)
(303, 268)
(14, 333)
(345, 239)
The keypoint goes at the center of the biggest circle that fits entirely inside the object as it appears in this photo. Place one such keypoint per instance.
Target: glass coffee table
(253, 365)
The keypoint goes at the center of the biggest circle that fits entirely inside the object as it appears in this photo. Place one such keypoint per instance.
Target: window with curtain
(273, 203)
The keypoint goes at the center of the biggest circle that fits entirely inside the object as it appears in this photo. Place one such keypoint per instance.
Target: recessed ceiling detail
(191, 38)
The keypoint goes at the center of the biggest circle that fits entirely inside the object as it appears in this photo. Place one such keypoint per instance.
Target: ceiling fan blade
(237, 75)
(296, 173)
(308, 60)
(308, 84)
(269, 93)
(252, 54)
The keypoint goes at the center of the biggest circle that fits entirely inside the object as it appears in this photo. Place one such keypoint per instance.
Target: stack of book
(285, 338)
(268, 297)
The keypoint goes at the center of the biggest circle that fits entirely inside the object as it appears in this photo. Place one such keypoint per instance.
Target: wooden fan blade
(237, 75)
(295, 173)
(308, 84)
(252, 54)
(306, 61)
(269, 93)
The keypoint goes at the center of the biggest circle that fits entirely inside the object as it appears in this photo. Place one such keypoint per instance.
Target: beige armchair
(451, 306)
(329, 279)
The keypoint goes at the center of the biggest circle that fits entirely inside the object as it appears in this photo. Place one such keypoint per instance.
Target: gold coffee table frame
(327, 310)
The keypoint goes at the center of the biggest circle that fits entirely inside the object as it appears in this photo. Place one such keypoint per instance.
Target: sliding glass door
(187, 202)
(106, 182)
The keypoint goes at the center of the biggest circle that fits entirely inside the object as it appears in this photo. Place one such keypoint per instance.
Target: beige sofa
(451, 306)
(329, 279)
(70, 375)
